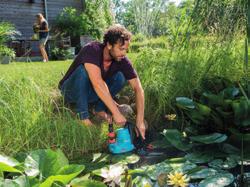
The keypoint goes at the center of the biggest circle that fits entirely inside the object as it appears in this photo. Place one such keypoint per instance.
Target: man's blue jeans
(78, 89)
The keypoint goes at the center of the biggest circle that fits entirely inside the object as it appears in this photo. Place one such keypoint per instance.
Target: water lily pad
(218, 180)
(125, 159)
(161, 144)
(230, 93)
(185, 103)
(153, 171)
(230, 162)
(183, 167)
(199, 157)
(203, 173)
(210, 138)
(212, 99)
(229, 149)
(142, 181)
(177, 139)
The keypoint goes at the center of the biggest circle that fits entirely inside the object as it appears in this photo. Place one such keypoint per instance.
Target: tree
(95, 17)
(220, 16)
(139, 16)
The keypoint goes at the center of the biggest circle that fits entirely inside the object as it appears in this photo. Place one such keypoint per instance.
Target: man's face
(118, 51)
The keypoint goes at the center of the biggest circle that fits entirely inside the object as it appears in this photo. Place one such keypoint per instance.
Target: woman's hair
(116, 33)
(40, 15)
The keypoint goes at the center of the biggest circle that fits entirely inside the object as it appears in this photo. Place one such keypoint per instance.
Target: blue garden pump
(121, 140)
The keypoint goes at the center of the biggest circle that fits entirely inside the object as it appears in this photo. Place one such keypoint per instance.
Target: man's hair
(116, 33)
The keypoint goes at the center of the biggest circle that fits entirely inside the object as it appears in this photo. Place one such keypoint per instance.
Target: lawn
(32, 114)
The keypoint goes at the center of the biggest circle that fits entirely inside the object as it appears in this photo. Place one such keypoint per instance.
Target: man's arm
(139, 96)
(102, 91)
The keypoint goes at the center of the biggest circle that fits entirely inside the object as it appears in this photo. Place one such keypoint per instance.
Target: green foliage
(166, 73)
(92, 21)
(209, 139)
(218, 109)
(8, 164)
(40, 168)
(139, 38)
(7, 31)
(85, 183)
(199, 157)
(220, 17)
(68, 22)
(96, 17)
(177, 139)
(218, 180)
(21, 181)
(31, 104)
(61, 54)
(203, 163)
(184, 143)
(228, 163)
(140, 42)
(189, 17)
(199, 175)
(139, 16)
(5, 51)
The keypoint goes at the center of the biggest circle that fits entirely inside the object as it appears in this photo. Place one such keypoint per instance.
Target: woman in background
(43, 35)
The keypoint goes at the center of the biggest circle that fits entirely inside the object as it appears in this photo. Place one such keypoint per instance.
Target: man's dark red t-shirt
(93, 53)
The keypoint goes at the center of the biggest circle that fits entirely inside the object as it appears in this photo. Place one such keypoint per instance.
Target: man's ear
(109, 46)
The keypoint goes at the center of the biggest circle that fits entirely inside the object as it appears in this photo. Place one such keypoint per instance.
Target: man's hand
(104, 116)
(141, 129)
(119, 119)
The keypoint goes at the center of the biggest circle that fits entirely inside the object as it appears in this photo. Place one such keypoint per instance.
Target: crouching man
(98, 73)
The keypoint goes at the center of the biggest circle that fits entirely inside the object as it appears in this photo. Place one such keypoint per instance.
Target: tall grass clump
(168, 73)
(32, 115)
(204, 39)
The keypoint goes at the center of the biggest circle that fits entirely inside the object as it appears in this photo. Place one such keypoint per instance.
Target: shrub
(5, 51)
(139, 37)
(139, 42)
(61, 54)
(68, 22)
(7, 31)
(92, 21)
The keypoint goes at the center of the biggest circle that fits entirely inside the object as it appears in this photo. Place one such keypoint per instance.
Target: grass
(178, 71)
(32, 114)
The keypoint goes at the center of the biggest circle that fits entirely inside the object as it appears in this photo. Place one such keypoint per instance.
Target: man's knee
(78, 80)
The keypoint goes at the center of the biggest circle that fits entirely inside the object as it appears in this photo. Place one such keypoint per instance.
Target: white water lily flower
(113, 173)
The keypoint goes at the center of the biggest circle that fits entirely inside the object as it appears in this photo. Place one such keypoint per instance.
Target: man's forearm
(139, 95)
(103, 92)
